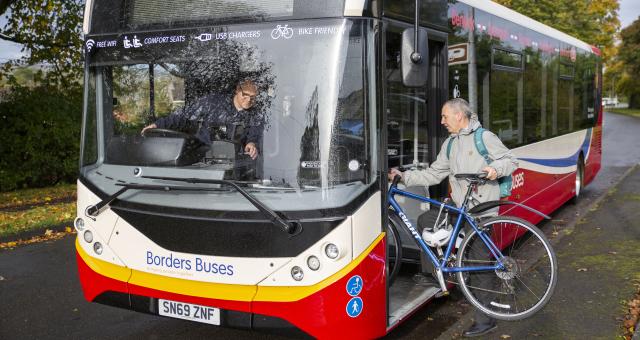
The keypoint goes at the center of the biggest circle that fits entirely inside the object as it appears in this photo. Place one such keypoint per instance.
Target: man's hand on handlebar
(492, 174)
(393, 172)
(152, 126)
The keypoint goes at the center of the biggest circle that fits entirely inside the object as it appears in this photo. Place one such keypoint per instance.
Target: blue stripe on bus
(564, 162)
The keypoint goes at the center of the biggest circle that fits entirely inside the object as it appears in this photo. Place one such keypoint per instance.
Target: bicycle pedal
(440, 294)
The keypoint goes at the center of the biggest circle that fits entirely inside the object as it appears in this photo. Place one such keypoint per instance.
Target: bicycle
(505, 265)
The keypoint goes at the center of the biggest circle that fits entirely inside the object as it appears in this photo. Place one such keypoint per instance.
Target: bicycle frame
(495, 252)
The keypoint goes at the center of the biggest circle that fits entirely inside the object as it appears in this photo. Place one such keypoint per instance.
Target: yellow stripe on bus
(218, 291)
(295, 293)
(103, 268)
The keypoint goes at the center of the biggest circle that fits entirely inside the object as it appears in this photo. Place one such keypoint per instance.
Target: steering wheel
(157, 132)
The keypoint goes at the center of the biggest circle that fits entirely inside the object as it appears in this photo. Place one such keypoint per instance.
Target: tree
(629, 57)
(593, 21)
(49, 31)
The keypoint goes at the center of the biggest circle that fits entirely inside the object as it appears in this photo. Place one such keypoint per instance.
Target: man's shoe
(480, 329)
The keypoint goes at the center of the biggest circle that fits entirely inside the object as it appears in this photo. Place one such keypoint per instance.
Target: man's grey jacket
(465, 158)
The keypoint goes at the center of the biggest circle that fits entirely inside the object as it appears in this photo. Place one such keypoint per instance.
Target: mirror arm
(416, 57)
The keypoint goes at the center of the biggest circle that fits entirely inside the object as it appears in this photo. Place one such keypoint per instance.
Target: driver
(217, 110)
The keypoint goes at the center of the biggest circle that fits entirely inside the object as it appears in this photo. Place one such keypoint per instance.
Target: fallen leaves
(29, 197)
(632, 317)
(36, 218)
(48, 235)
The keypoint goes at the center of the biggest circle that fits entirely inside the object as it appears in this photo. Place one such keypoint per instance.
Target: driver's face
(246, 95)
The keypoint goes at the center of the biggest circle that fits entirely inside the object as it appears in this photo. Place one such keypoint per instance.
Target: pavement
(599, 261)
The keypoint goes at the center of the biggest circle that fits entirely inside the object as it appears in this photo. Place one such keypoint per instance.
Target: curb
(466, 318)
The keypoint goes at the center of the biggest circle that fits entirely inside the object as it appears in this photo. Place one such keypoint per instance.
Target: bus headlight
(97, 247)
(88, 236)
(313, 262)
(79, 224)
(297, 273)
(332, 251)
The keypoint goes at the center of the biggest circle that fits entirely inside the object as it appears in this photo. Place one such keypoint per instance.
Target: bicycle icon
(282, 31)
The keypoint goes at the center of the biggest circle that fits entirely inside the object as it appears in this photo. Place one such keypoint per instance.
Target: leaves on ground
(13, 200)
(630, 320)
(46, 236)
(36, 218)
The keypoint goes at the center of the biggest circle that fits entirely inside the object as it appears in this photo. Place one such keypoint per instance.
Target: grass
(627, 112)
(34, 209)
(40, 217)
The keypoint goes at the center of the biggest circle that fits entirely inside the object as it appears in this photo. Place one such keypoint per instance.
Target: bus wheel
(579, 182)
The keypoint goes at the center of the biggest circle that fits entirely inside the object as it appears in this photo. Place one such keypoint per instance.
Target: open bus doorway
(414, 137)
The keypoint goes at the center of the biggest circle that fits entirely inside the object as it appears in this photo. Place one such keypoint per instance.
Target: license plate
(187, 311)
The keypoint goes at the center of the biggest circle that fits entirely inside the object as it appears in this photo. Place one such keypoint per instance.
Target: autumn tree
(49, 32)
(593, 21)
(629, 59)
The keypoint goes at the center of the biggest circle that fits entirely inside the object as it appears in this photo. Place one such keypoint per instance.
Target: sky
(629, 11)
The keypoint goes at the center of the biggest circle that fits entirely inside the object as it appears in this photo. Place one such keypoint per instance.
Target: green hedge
(39, 136)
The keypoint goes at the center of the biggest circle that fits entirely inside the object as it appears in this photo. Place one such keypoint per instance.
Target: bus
(295, 240)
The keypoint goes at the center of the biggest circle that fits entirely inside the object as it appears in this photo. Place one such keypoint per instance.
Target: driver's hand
(252, 150)
(393, 172)
(492, 174)
(152, 126)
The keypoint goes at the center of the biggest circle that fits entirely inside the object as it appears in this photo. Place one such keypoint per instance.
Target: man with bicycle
(459, 154)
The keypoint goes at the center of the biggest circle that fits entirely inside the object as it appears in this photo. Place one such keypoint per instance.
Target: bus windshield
(280, 107)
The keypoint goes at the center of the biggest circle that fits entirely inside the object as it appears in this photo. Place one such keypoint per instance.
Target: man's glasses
(246, 95)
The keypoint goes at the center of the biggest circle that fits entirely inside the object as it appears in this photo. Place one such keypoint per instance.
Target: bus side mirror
(415, 61)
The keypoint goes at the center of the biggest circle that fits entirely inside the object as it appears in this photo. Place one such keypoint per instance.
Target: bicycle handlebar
(396, 180)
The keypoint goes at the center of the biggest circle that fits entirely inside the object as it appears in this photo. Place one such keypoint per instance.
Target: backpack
(505, 182)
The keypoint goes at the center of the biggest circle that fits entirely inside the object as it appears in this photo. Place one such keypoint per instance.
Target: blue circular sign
(354, 285)
(354, 307)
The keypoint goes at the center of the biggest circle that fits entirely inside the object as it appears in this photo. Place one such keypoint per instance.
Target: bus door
(414, 136)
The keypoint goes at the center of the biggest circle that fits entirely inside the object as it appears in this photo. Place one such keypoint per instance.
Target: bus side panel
(542, 191)
(324, 314)
(593, 162)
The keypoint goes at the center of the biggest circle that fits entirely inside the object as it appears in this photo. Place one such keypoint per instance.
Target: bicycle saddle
(479, 177)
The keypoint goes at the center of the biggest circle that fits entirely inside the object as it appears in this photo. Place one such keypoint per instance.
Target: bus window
(406, 112)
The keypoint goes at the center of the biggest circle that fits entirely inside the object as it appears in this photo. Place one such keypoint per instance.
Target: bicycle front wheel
(528, 278)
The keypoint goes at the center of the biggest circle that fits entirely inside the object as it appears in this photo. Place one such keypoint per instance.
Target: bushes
(39, 136)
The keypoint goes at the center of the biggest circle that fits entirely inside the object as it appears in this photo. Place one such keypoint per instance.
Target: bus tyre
(394, 248)
(579, 181)
(529, 275)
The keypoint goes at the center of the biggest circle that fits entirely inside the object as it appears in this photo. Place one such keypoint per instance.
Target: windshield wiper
(95, 210)
(278, 221)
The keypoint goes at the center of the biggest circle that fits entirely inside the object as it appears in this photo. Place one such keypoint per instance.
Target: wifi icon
(90, 43)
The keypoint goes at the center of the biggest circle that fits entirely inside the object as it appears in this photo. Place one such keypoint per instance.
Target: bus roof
(519, 19)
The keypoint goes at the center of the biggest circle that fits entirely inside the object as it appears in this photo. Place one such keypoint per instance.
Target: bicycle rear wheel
(526, 283)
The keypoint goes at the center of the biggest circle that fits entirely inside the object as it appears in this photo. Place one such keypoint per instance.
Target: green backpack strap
(482, 149)
(449, 146)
